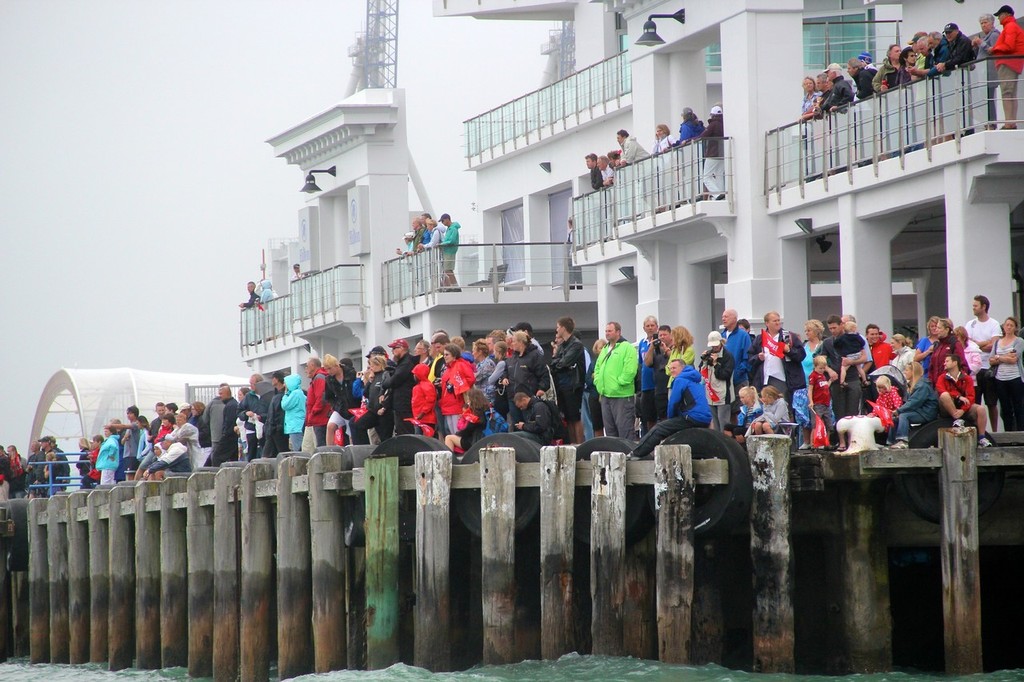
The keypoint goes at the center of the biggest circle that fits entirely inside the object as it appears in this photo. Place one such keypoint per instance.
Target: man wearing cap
(983, 43)
(714, 161)
(400, 383)
(691, 127)
(1010, 41)
(954, 50)
(449, 247)
(841, 94)
(716, 367)
(865, 58)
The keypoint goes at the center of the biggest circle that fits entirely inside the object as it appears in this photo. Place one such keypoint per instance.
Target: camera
(706, 355)
(656, 343)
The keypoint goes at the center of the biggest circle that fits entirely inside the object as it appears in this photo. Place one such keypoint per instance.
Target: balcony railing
(315, 296)
(671, 183)
(495, 268)
(526, 118)
(912, 118)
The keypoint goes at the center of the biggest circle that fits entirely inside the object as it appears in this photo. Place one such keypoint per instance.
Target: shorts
(570, 403)
(337, 419)
(986, 389)
(448, 263)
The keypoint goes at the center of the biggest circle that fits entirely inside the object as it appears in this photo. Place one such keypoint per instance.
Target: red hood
(421, 372)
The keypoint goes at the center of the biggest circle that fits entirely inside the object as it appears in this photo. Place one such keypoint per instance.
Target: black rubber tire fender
(17, 510)
(639, 519)
(920, 492)
(467, 502)
(353, 506)
(717, 509)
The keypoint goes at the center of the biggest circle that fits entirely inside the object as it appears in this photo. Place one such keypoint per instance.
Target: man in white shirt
(983, 330)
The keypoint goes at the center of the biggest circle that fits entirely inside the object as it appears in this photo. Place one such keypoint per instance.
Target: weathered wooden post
(98, 510)
(121, 623)
(497, 544)
(381, 562)
(961, 573)
(201, 552)
(329, 559)
(78, 578)
(147, 577)
(38, 584)
(770, 552)
(865, 613)
(173, 575)
(673, 489)
(706, 617)
(20, 610)
(557, 490)
(294, 577)
(256, 622)
(57, 541)
(225, 571)
(432, 615)
(608, 551)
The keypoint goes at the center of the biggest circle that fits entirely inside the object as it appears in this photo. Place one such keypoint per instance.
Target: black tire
(717, 508)
(920, 492)
(354, 457)
(467, 502)
(17, 510)
(639, 519)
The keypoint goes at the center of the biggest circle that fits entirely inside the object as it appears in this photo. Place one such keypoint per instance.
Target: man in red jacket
(956, 398)
(318, 412)
(1010, 41)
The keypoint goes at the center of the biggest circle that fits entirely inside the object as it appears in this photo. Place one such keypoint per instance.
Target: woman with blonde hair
(921, 405)
(904, 351)
(682, 347)
(662, 139)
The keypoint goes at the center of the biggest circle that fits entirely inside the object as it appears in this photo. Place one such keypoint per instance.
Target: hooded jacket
(110, 453)
(267, 292)
(458, 377)
(690, 129)
(687, 397)
(885, 74)
(527, 373)
(400, 383)
(615, 370)
(294, 404)
(1010, 41)
(922, 400)
(424, 396)
(318, 412)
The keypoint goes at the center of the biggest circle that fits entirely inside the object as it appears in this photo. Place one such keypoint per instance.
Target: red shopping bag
(883, 413)
(819, 439)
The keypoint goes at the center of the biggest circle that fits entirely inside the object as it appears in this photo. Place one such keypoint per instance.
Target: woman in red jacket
(424, 397)
(459, 376)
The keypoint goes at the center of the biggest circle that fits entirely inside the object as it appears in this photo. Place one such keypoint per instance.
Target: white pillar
(697, 296)
(865, 265)
(616, 302)
(977, 250)
(657, 286)
(796, 289)
(650, 74)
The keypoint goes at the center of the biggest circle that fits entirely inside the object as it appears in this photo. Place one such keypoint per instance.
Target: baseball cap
(410, 235)
(1005, 9)
(716, 111)
(950, 27)
(917, 36)
(377, 350)
(399, 343)
(714, 339)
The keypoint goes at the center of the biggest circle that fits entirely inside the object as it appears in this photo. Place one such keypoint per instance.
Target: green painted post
(381, 562)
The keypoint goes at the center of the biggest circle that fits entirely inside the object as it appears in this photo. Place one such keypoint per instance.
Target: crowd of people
(927, 55)
(438, 236)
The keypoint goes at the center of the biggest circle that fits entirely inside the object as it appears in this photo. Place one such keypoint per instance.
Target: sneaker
(805, 446)
(958, 423)
(900, 445)
(984, 442)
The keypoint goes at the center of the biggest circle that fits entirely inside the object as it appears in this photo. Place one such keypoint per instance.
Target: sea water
(570, 668)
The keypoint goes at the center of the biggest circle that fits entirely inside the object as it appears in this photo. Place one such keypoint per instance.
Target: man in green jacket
(614, 378)
(449, 247)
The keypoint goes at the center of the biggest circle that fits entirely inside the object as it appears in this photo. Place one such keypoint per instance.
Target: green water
(567, 669)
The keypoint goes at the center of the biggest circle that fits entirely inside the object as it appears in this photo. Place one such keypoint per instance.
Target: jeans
(902, 429)
(320, 433)
(295, 441)
(619, 415)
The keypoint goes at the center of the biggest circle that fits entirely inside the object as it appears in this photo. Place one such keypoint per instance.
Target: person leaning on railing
(954, 50)
(982, 43)
(1010, 42)
(888, 73)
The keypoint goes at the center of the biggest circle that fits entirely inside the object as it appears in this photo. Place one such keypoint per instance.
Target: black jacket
(864, 87)
(338, 394)
(275, 415)
(596, 181)
(791, 361)
(960, 52)
(567, 364)
(400, 383)
(722, 369)
(840, 96)
(537, 420)
(230, 415)
(527, 373)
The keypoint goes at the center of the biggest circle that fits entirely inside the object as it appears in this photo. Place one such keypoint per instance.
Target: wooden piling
(225, 573)
(173, 575)
(674, 488)
(961, 573)
(57, 559)
(294, 573)
(355, 604)
(608, 552)
(770, 552)
(432, 615)
(97, 504)
(6, 630)
(201, 552)
(256, 618)
(20, 609)
(329, 559)
(121, 623)
(78, 579)
(557, 490)
(381, 562)
(497, 542)
(147, 578)
(38, 585)
(706, 617)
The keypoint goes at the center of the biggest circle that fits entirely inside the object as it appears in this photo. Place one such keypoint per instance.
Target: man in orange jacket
(1010, 42)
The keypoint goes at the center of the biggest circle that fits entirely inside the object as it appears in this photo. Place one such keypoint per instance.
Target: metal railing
(498, 268)
(55, 483)
(671, 183)
(527, 116)
(315, 294)
(914, 117)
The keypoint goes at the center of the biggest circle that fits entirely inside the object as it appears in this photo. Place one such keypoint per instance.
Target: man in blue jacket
(737, 342)
(687, 409)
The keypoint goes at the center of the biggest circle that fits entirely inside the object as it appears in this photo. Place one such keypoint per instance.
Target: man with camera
(716, 366)
(655, 360)
(648, 414)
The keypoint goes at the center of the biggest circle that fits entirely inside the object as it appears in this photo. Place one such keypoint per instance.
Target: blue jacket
(923, 400)
(689, 130)
(747, 415)
(110, 453)
(294, 404)
(689, 381)
(738, 343)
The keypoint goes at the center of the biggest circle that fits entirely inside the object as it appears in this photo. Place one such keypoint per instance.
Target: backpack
(494, 423)
(559, 432)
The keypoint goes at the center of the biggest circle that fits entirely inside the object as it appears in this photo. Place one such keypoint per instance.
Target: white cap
(714, 340)
(716, 111)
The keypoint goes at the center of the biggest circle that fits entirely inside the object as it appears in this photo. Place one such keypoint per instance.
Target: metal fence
(914, 117)
(672, 183)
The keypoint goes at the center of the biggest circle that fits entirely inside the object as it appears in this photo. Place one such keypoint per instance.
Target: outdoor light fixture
(405, 322)
(805, 224)
(310, 187)
(545, 166)
(628, 272)
(650, 37)
(823, 243)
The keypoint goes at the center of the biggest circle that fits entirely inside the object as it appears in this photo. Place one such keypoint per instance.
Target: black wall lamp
(650, 37)
(310, 187)
(823, 243)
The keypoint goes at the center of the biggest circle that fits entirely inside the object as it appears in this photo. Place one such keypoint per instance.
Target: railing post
(494, 271)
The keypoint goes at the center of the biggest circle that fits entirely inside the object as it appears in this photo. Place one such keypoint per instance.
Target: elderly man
(225, 448)
(775, 358)
(861, 78)
(885, 77)
(318, 412)
(957, 51)
(737, 342)
(983, 43)
(607, 172)
(841, 93)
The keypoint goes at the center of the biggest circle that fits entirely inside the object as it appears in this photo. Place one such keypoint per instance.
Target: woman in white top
(904, 352)
(1008, 372)
(662, 139)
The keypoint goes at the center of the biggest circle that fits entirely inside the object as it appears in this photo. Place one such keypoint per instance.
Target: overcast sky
(136, 190)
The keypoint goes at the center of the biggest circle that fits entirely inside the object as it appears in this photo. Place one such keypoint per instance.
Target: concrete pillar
(591, 20)
(650, 74)
(865, 265)
(752, 104)
(657, 286)
(696, 298)
(687, 87)
(796, 290)
(616, 302)
(977, 249)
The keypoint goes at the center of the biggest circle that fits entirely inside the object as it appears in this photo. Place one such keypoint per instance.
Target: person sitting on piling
(687, 408)
(534, 421)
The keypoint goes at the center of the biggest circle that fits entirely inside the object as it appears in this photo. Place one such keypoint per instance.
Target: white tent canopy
(78, 402)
